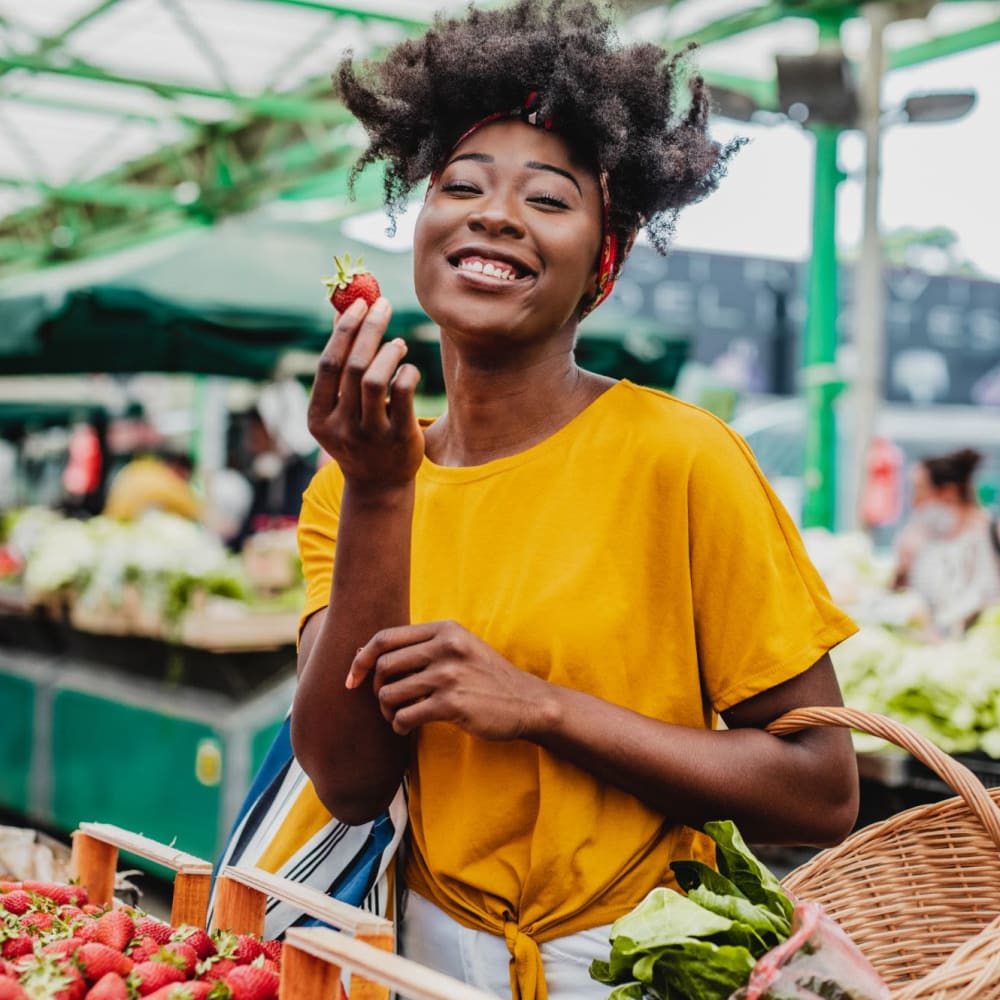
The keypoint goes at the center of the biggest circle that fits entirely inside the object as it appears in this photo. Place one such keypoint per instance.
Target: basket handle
(954, 774)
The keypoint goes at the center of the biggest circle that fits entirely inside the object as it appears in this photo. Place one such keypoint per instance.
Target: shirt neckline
(470, 473)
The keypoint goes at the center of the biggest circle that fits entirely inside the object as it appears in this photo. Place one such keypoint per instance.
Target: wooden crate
(313, 958)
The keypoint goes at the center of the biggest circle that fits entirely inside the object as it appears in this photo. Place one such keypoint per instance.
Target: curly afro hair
(617, 106)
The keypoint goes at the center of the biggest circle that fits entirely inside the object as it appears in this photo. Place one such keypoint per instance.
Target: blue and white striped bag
(283, 828)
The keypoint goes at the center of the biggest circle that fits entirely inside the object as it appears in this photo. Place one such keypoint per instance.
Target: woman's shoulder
(668, 420)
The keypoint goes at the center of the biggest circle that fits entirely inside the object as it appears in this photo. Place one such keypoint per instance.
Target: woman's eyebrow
(531, 165)
(535, 165)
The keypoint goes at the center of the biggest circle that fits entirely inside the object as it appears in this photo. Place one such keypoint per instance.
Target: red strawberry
(15, 947)
(64, 946)
(10, 989)
(147, 977)
(351, 283)
(198, 938)
(115, 929)
(194, 990)
(69, 912)
(58, 892)
(97, 960)
(6, 885)
(86, 929)
(37, 920)
(247, 949)
(144, 949)
(181, 954)
(250, 982)
(160, 932)
(216, 969)
(273, 950)
(49, 977)
(92, 909)
(16, 902)
(110, 986)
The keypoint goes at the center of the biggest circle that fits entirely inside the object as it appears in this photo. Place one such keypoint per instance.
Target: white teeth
(490, 269)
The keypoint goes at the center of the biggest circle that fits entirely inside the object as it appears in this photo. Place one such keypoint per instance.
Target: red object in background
(882, 492)
(82, 474)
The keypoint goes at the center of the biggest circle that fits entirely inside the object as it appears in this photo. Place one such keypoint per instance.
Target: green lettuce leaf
(739, 865)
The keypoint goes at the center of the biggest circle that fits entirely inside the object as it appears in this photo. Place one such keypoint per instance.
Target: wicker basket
(919, 892)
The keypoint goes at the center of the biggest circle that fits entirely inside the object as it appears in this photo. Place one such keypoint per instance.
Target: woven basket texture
(919, 892)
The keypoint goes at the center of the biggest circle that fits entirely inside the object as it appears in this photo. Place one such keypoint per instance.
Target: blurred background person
(945, 552)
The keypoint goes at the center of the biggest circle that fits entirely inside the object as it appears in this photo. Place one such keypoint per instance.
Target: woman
(537, 606)
(945, 552)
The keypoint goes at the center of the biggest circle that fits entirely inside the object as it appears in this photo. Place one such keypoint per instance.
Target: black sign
(745, 317)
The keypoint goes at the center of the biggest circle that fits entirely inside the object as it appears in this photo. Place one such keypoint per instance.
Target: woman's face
(507, 241)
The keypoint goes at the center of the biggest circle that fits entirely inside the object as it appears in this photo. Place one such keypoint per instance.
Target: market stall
(145, 670)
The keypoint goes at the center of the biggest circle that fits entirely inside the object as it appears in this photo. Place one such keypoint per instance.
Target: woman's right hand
(361, 408)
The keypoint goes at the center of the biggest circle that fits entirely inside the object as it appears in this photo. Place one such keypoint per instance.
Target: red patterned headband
(613, 254)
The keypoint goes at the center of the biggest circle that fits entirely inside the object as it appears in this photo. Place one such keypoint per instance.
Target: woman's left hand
(441, 672)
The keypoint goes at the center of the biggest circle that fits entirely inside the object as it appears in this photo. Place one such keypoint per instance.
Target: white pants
(429, 936)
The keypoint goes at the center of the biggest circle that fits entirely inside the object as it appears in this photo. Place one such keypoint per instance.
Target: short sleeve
(317, 537)
(762, 613)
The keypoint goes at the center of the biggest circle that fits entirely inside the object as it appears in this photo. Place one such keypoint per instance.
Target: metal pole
(869, 279)
(821, 381)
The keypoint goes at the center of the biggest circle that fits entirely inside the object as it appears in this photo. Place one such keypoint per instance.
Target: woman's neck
(499, 410)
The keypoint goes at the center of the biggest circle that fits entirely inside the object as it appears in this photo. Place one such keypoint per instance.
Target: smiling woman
(537, 607)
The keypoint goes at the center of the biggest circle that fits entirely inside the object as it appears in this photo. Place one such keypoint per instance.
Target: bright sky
(932, 175)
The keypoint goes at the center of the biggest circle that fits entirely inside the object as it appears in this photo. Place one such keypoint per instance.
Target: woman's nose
(497, 216)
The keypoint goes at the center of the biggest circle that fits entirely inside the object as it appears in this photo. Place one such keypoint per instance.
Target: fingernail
(379, 307)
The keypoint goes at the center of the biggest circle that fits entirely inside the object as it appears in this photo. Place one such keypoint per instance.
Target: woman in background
(944, 552)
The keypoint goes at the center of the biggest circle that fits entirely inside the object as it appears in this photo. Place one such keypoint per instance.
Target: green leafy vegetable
(703, 945)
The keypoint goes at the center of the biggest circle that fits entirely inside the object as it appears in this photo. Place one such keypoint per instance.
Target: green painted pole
(821, 382)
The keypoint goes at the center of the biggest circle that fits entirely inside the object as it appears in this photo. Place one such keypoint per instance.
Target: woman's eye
(461, 187)
(549, 199)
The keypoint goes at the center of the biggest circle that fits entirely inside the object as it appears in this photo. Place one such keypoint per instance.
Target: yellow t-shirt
(637, 554)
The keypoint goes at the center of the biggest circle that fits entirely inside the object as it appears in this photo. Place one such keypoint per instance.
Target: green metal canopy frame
(268, 142)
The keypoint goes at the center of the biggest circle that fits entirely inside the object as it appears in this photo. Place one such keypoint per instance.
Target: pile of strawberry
(57, 946)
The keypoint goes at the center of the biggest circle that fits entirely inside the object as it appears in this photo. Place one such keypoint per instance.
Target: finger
(326, 385)
(398, 663)
(402, 416)
(412, 717)
(363, 350)
(405, 691)
(375, 385)
(383, 642)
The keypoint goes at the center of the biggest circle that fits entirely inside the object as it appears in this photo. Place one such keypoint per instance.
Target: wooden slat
(307, 977)
(316, 904)
(144, 847)
(416, 982)
(190, 899)
(366, 989)
(94, 862)
(238, 907)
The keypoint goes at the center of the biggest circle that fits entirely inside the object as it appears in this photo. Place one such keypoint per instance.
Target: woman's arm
(800, 789)
(353, 757)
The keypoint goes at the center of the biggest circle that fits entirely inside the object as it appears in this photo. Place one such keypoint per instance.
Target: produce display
(161, 576)
(946, 689)
(54, 944)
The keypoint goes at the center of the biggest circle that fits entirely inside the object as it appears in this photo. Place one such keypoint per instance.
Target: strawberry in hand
(350, 283)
